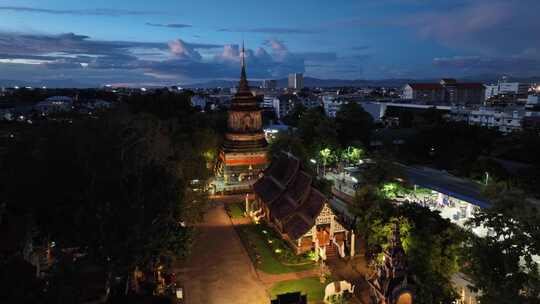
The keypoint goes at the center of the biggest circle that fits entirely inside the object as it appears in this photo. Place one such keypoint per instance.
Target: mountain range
(326, 83)
(281, 83)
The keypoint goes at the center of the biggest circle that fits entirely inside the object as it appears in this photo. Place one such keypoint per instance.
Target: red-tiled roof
(287, 192)
(267, 189)
(284, 169)
(313, 205)
(299, 186)
(282, 207)
(297, 226)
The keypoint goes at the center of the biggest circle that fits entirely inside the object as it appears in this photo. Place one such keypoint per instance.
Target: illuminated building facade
(243, 153)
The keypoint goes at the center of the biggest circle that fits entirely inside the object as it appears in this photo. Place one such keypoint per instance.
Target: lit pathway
(219, 270)
(270, 279)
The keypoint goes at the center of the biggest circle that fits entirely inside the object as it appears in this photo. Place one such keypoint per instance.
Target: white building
(310, 101)
(491, 90)
(199, 101)
(268, 101)
(504, 120)
(283, 104)
(97, 104)
(533, 100)
(517, 88)
(332, 104)
(55, 104)
(269, 84)
(296, 81)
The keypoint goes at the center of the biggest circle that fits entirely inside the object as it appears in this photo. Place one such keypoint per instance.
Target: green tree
(317, 131)
(289, 143)
(120, 187)
(501, 263)
(354, 124)
(433, 246)
(293, 118)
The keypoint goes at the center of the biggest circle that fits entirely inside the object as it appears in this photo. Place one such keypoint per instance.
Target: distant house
(96, 104)
(287, 201)
(55, 104)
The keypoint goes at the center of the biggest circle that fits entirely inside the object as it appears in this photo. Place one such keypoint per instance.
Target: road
(219, 269)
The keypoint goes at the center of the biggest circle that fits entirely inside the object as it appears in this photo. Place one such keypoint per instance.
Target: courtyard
(219, 269)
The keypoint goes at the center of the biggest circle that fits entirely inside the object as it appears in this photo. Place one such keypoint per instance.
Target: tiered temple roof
(251, 139)
(287, 192)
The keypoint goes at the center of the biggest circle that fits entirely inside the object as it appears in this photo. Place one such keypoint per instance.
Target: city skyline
(137, 43)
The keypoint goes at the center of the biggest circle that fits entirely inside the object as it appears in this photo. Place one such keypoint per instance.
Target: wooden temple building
(287, 201)
(243, 153)
(392, 284)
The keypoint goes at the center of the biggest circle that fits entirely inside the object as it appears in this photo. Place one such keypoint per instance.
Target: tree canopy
(501, 263)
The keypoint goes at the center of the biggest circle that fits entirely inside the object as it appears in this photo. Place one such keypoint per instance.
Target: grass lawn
(235, 210)
(308, 286)
(272, 258)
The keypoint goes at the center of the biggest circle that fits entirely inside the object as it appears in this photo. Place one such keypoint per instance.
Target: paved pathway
(353, 271)
(219, 269)
(270, 279)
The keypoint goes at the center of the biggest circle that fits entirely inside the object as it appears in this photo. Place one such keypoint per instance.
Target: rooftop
(443, 182)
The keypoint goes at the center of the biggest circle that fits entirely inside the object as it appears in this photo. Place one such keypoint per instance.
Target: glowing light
(270, 241)
(264, 231)
(277, 250)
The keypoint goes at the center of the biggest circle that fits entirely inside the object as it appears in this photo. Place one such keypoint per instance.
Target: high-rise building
(269, 84)
(243, 153)
(296, 81)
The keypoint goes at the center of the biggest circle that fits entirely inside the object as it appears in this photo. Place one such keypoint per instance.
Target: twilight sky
(141, 42)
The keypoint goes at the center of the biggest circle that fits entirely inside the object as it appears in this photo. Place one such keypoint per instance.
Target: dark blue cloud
(81, 12)
(522, 65)
(273, 30)
(169, 25)
(80, 57)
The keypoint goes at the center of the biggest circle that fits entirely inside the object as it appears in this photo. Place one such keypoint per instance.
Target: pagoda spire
(243, 78)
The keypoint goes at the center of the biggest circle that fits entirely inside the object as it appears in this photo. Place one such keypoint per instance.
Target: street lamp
(316, 165)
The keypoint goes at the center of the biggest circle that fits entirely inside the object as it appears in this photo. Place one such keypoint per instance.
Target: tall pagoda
(243, 154)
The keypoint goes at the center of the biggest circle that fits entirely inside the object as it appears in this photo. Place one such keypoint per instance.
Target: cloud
(273, 30)
(169, 25)
(487, 27)
(181, 50)
(524, 64)
(71, 56)
(80, 12)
